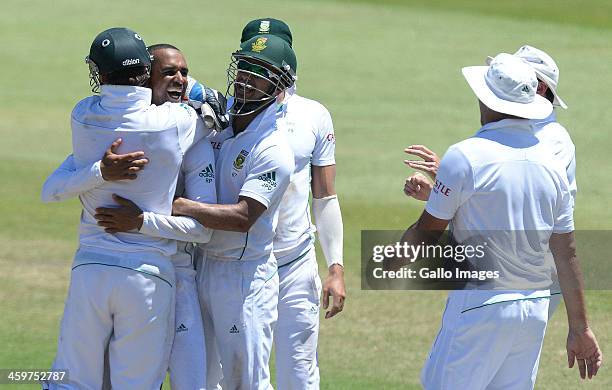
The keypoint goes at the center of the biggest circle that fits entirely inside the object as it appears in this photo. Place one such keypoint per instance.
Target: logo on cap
(131, 61)
(137, 37)
(259, 44)
(105, 42)
(264, 27)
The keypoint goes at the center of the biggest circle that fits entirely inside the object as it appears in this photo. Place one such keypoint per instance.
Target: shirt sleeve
(198, 183)
(269, 175)
(564, 210)
(325, 144)
(453, 185)
(571, 176)
(191, 128)
(174, 228)
(67, 181)
(199, 173)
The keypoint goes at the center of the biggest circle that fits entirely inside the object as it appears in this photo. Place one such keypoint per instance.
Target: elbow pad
(328, 220)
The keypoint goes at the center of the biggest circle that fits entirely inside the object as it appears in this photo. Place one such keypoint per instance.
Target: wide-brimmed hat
(545, 67)
(508, 85)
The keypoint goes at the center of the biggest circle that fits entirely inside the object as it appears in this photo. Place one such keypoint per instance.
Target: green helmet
(265, 57)
(113, 50)
(272, 50)
(267, 26)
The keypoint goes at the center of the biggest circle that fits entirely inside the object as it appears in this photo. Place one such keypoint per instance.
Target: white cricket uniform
(309, 130)
(238, 280)
(501, 179)
(556, 137)
(308, 127)
(121, 292)
(187, 364)
(188, 357)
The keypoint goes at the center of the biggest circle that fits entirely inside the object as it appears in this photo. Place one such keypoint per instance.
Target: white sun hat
(508, 85)
(545, 67)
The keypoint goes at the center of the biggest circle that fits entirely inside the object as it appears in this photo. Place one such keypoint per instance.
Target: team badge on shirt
(240, 159)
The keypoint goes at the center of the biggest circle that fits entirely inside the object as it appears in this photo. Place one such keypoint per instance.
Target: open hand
(430, 163)
(124, 218)
(121, 166)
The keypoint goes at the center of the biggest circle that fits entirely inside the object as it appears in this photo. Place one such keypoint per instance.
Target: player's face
(168, 76)
(253, 81)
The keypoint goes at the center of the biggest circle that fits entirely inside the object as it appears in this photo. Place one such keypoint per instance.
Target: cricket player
(548, 131)
(491, 339)
(238, 280)
(121, 293)
(308, 127)
(169, 83)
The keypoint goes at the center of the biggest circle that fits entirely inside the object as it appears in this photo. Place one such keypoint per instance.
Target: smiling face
(168, 76)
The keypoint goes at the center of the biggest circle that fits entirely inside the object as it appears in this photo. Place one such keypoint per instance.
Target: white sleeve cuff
(328, 220)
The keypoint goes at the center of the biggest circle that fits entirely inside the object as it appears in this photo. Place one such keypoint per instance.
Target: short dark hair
(159, 46)
(137, 77)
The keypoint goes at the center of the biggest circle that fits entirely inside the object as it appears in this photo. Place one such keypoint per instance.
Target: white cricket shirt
(504, 179)
(257, 163)
(164, 133)
(308, 127)
(556, 137)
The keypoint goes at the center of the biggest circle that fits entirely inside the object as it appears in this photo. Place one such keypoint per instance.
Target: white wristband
(328, 220)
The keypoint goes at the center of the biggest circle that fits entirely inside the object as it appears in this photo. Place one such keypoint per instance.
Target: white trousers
(188, 358)
(128, 311)
(297, 330)
(240, 298)
(496, 346)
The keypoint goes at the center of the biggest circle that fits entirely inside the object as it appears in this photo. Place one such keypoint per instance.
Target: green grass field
(388, 71)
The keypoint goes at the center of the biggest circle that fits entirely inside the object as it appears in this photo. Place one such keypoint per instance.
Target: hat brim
(551, 85)
(540, 108)
(557, 101)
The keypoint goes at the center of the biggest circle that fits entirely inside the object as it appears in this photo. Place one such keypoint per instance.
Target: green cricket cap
(118, 48)
(267, 26)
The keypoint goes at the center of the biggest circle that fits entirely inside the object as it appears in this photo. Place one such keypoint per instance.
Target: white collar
(263, 122)
(123, 96)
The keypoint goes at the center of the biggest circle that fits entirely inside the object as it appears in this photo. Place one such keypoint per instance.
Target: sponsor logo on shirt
(234, 329)
(331, 137)
(208, 173)
(269, 180)
(216, 145)
(240, 159)
(440, 188)
(181, 328)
